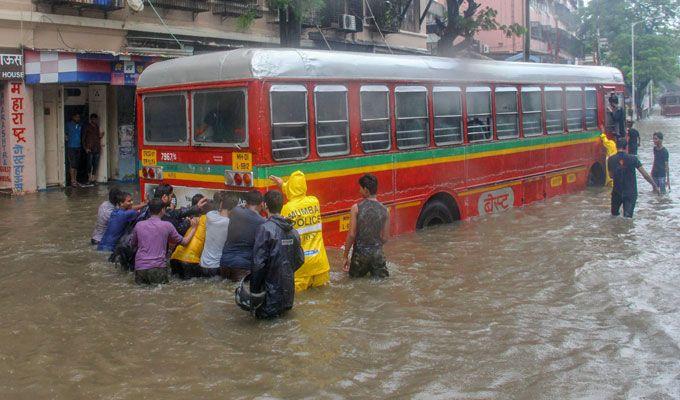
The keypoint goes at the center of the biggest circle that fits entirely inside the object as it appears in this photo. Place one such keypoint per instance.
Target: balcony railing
(102, 5)
(195, 6)
(236, 8)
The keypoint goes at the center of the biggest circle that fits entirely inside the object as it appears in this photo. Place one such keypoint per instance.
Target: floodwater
(553, 301)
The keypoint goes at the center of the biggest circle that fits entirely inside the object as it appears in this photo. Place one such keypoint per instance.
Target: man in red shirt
(92, 146)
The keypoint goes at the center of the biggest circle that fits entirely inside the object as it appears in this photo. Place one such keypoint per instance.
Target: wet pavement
(553, 301)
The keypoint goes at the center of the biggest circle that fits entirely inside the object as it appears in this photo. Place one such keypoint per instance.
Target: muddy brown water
(553, 301)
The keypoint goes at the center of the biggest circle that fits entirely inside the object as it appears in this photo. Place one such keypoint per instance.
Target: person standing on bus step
(237, 255)
(92, 146)
(277, 254)
(622, 168)
(633, 139)
(369, 229)
(152, 238)
(73, 147)
(185, 260)
(305, 212)
(660, 171)
(617, 116)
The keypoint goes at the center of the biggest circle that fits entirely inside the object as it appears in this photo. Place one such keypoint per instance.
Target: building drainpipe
(527, 34)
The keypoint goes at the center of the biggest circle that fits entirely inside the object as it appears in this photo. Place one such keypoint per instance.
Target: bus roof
(250, 63)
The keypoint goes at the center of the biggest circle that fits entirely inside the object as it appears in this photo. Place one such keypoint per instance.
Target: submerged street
(556, 300)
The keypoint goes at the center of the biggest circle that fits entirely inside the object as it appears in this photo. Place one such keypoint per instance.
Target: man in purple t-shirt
(152, 238)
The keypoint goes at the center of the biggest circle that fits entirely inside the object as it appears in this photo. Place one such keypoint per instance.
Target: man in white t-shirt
(217, 225)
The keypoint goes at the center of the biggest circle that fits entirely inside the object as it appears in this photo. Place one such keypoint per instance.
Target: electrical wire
(181, 46)
(377, 26)
(323, 36)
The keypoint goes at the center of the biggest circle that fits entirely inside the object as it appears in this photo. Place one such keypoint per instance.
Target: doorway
(75, 103)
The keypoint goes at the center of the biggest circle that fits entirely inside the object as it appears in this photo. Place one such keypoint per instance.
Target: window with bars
(478, 101)
(412, 118)
(532, 121)
(574, 109)
(332, 126)
(448, 115)
(289, 122)
(591, 108)
(507, 121)
(375, 118)
(554, 110)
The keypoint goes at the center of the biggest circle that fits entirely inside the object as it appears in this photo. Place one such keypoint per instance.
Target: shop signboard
(11, 65)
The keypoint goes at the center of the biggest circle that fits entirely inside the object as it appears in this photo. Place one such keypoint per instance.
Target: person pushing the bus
(305, 212)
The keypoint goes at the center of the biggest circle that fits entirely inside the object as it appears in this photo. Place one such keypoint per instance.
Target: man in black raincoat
(277, 254)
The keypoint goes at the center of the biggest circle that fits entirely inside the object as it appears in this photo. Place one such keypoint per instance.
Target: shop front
(74, 86)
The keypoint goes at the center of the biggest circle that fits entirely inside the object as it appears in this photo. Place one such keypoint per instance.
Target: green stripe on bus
(370, 160)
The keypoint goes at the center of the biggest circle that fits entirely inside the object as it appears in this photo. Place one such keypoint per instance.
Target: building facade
(84, 56)
(553, 31)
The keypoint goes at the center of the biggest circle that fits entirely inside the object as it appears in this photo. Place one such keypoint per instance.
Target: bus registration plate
(241, 161)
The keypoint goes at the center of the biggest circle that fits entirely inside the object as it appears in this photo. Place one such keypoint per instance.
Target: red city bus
(670, 104)
(448, 139)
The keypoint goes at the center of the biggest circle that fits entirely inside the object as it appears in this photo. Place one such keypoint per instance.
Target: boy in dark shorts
(152, 237)
(369, 229)
(660, 172)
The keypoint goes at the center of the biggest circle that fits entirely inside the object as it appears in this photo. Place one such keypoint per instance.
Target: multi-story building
(84, 56)
(553, 31)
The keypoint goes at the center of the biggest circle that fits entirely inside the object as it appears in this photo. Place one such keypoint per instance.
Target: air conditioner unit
(483, 48)
(350, 23)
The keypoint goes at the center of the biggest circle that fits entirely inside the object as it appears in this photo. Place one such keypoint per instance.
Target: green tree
(656, 38)
(290, 16)
(464, 18)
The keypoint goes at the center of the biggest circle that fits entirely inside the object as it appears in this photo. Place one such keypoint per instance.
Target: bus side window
(375, 118)
(506, 113)
(478, 101)
(554, 118)
(289, 136)
(448, 115)
(532, 121)
(411, 115)
(574, 109)
(591, 108)
(332, 127)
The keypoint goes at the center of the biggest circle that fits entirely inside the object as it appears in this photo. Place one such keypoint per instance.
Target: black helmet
(246, 300)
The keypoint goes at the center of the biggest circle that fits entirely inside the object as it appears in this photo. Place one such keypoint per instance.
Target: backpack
(124, 253)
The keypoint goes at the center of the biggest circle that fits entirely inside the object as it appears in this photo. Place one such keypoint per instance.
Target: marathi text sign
(11, 65)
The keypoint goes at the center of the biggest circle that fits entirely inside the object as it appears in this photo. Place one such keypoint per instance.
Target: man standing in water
(369, 229)
(277, 254)
(660, 171)
(305, 212)
(622, 168)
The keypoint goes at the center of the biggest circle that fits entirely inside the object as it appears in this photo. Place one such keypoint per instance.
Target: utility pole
(632, 61)
(527, 34)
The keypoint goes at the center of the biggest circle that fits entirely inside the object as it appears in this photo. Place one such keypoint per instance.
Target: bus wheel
(434, 213)
(596, 175)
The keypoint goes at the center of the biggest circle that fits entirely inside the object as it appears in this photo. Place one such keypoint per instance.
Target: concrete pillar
(112, 129)
(39, 119)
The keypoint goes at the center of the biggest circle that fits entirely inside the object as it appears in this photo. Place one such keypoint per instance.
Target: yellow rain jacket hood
(610, 147)
(305, 212)
(191, 253)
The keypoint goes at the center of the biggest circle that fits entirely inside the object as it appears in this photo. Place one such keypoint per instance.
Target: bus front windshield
(219, 117)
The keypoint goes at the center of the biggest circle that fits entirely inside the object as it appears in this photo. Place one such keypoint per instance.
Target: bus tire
(434, 213)
(596, 175)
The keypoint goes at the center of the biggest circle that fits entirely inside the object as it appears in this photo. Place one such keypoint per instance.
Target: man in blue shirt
(73, 146)
(124, 213)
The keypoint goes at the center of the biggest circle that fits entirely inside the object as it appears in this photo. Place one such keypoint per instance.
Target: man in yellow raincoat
(305, 212)
(610, 147)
